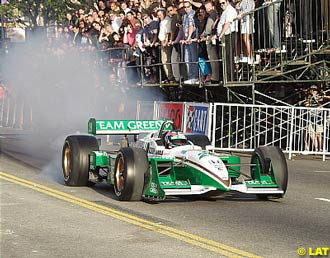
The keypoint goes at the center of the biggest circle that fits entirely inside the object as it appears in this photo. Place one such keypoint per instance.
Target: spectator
(124, 7)
(103, 7)
(114, 6)
(208, 34)
(139, 49)
(95, 16)
(313, 136)
(77, 36)
(202, 51)
(273, 10)
(227, 31)
(70, 20)
(247, 26)
(130, 17)
(124, 23)
(137, 7)
(176, 35)
(325, 12)
(150, 43)
(196, 4)
(129, 35)
(106, 39)
(166, 48)
(94, 33)
(115, 20)
(190, 44)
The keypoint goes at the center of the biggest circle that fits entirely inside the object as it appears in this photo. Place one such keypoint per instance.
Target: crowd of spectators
(167, 41)
(170, 38)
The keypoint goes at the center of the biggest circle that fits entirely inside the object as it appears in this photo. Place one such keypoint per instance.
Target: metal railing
(242, 127)
(295, 130)
(15, 113)
(302, 53)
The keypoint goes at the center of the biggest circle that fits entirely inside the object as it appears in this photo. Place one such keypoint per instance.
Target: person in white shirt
(166, 48)
(227, 32)
(247, 25)
(116, 21)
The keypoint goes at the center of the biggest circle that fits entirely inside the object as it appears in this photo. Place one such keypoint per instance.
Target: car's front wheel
(266, 157)
(75, 158)
(130, 168)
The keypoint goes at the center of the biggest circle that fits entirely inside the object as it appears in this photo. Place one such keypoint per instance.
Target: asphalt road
(40, 217)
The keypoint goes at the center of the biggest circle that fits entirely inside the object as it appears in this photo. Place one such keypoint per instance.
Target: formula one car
(165, 162)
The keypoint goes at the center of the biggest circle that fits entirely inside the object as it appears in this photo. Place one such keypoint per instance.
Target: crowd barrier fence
(15, 113)
(243, 127)
(230, 126)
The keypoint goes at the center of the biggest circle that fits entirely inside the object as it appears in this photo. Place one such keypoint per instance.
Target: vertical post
(253, 94)
(2, 28)
(224, 69)
(214, 125)
(293, 115)
(206, 95)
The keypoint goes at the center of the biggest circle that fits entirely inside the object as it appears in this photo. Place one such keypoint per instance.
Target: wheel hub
(120, 179)
(67, 161)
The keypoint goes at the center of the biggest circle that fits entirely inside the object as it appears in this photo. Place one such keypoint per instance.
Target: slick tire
(75, 158)
(131, 166)
(274, 154)
(199, 140)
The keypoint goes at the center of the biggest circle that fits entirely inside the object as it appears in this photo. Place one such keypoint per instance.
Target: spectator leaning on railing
(190, 44)
(151, 44)
(166, 48)
(227, 32)
(211, 46)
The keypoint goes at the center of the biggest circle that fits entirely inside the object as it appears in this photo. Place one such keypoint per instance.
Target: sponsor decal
(173, 111)
(176, 183)
(196, 119)
(118, 125)
(154, 188)
(202, 155)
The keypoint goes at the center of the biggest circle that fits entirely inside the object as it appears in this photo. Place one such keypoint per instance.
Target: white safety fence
(243, 127)
(230, 127)
(15, 114)
(296, 130)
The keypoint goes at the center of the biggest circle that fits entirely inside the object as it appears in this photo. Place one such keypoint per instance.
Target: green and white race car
(165, 162)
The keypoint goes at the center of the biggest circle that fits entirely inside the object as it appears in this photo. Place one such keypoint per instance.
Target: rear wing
(117, 127)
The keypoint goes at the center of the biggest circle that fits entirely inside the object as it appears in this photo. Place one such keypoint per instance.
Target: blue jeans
(191, 60)
(273, 24)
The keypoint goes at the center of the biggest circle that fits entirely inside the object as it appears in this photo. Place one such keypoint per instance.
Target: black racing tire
(274, 154)
(199, 139)
(75, 158)
(131, 166)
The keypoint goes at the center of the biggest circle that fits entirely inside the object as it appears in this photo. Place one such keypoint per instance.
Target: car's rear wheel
(130, 168)
(273, 156)
(75, 158)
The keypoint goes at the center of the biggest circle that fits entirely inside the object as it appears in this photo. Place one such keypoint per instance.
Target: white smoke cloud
(65, 88)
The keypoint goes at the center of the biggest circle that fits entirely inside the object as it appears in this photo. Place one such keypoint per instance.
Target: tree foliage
(34, 13)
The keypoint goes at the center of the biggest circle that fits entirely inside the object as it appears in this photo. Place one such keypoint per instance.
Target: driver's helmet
(175, 138)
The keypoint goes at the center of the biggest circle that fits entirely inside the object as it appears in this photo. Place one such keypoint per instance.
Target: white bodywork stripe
(195, 189)
(322, 199)
(243, 189)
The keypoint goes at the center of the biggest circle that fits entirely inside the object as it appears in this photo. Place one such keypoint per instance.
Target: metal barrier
(242, 127)
(15, 113)
(295, 130)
